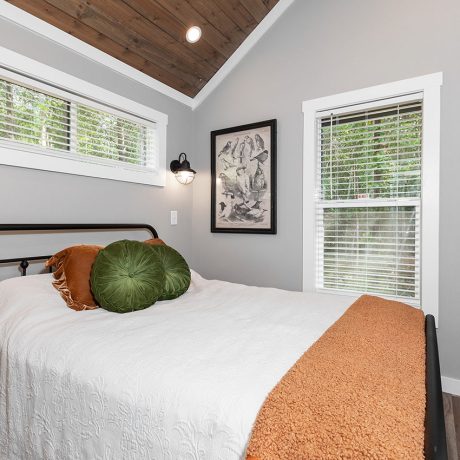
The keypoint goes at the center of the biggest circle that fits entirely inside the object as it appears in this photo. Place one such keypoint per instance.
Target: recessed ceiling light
(193, 34)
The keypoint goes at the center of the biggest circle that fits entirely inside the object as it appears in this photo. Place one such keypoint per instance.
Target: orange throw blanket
(358, 392)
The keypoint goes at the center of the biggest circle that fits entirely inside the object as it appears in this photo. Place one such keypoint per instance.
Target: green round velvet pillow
(177, 273)
(127, 276)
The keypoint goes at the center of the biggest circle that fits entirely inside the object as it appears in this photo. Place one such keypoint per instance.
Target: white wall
(319, 48)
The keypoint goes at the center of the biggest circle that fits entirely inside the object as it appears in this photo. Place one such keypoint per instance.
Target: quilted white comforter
(183, 379)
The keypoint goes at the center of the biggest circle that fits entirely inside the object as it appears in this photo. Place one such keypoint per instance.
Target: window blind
(33, 117)
(101, 134)
(84, 132)
(368, 200)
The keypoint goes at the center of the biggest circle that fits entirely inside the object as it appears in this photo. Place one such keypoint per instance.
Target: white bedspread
(183, 379)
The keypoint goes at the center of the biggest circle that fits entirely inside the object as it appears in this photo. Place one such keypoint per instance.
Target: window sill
(25, 159)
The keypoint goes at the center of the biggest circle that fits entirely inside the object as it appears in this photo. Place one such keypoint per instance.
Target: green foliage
(32, 117)
(371, 249)
(374, 158)
(36, 118)
(108, 136)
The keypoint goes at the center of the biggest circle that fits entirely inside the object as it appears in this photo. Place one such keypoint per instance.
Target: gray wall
(37, 196)
(319, 48)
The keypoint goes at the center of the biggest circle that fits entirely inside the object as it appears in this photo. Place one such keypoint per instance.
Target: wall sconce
(181, 169)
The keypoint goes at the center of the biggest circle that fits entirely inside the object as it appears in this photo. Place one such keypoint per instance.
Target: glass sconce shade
(182, 170)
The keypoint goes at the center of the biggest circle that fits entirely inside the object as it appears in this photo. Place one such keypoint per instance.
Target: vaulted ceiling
(149, 35)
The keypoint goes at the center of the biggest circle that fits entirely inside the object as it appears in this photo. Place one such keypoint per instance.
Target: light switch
(173, 217)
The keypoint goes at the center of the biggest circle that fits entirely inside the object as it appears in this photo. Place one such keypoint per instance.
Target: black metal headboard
(24, 261)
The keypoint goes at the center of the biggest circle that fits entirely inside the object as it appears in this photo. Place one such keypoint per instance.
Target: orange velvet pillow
(72, 274)
(155, 241)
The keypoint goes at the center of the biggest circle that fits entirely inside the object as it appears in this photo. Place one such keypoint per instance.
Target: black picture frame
(247, 199)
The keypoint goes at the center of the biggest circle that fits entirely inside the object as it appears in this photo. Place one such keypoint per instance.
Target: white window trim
(430, 86)
(28, 71)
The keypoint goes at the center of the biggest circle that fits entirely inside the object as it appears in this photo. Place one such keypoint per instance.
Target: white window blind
(100, 134)
(32, 117)
(369, 198)
(50, 124)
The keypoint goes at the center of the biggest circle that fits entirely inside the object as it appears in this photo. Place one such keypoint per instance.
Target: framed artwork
(243, 179)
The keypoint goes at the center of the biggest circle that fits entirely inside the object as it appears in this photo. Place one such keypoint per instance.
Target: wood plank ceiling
(149, 35)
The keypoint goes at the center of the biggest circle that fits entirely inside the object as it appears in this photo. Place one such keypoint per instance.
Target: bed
(204, 364)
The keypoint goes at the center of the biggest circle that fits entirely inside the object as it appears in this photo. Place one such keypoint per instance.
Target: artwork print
(243, 164)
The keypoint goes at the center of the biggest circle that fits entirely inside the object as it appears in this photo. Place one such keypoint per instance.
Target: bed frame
(435, 431)
(24, 261)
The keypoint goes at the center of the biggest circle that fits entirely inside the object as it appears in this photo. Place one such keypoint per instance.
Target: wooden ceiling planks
(78, 29)
(149, 35)
(217, 18)
(258, 8)
(188, 16)
(238, 14)
(166, 21)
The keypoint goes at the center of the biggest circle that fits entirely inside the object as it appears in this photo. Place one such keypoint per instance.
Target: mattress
(183, 379)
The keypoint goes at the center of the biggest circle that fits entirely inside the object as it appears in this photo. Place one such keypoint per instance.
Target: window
(371, 191)
(368, 200)
(46, 126)
(100, 134)
(31, 117)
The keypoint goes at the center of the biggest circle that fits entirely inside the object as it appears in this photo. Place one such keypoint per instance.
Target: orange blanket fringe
(358, 392)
